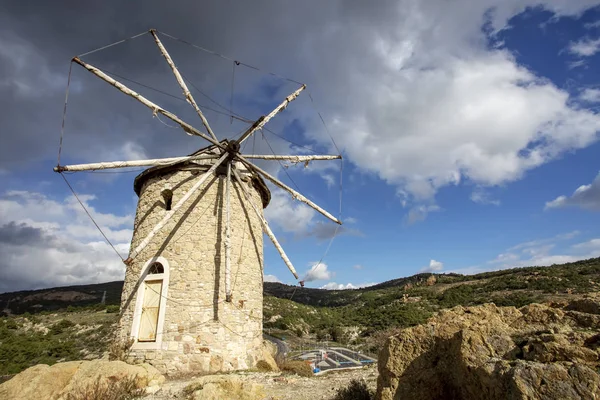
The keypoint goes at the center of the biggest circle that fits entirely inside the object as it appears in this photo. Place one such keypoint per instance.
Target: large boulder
(489, 352)
(60, 380)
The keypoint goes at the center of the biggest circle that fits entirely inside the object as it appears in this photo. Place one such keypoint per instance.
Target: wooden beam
(292, 158)
(129, 164)
(227, 236)
(296, 195)
(172, 212)
(263, 120)
(265, 225)
(154, 107)
(186, 91)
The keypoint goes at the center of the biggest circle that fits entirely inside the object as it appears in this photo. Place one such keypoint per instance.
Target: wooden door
(150, 309)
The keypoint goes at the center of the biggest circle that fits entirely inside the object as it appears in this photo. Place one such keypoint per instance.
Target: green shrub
(515, 299)
(61, 326)
(458, 295)
(11, 324)
(113, 309)
(356, 390)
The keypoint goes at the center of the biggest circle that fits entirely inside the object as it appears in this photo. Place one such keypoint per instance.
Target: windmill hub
(233, 148)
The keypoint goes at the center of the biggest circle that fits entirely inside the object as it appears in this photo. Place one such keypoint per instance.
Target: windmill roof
(138, 183)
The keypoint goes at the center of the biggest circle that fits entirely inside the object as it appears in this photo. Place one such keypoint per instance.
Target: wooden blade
(263, 120)
(129, 164)
(154, 107)
(175, 208)
(292, 158)
(186, 91)
(265, 225)
(296, 195)
(227, 236)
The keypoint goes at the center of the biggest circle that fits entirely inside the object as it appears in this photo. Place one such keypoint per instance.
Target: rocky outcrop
(60, 380)
(489, 352)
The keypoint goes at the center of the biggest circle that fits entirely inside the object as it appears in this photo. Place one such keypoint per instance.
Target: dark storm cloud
(38, 39)
(22, 235)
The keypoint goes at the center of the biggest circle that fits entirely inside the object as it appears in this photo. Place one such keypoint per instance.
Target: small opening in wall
(156, 268)
(167, 198)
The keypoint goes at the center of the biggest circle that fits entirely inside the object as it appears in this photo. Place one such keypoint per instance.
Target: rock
(489, 352)
(58, 381)
(219, 387)
(267, 362)
(431, 281)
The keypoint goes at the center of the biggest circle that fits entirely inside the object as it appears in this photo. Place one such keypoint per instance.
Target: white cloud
(590, 95)
(292, 216)
(591, 25)
(592, 244)
(350, 220)
(271, 278)
(585, 47)
(576, 64)
(434, 266)
(585, 196)
(317, 272)
(337, 286)
(541, 252)
(47, 242)
(419, 213)
(540, 242)
(430, 91)
(288, 214)
(37, 210)
(341, 286)
(329, 180)
(358, 266)
(479, 195)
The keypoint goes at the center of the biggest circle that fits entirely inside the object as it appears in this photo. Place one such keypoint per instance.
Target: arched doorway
(149, 315)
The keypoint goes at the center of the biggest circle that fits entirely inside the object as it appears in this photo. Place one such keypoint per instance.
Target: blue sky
(465, 137)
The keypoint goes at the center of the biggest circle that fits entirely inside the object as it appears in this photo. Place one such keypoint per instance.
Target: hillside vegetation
(410, 301)
(46, 326)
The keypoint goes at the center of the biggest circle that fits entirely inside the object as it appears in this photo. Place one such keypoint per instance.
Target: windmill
(192, 297)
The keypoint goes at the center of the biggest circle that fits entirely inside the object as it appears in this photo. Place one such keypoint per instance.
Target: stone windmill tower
(192, 298)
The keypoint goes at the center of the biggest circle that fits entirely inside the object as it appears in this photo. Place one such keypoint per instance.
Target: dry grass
(113, 389)
(356, 390)
(119, 350)
(263, 366)
(297, 367)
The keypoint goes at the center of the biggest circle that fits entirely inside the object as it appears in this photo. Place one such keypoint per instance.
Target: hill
(71, 322)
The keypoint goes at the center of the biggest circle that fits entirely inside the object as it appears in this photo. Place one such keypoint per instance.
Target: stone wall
(201, 332)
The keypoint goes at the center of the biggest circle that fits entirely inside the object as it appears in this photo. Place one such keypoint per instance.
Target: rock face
(489, 352)
(58, 381)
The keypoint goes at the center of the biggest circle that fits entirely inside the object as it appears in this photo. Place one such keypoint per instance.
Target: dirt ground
(286, 387)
